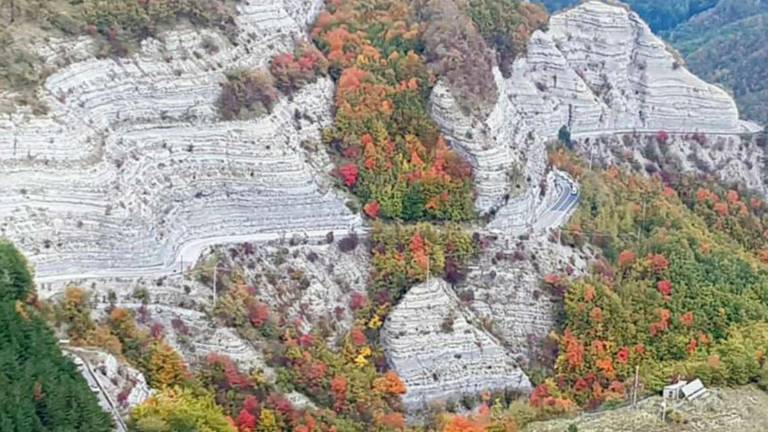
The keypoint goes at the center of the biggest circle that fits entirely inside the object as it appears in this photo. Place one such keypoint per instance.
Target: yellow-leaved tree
(166, 366)
(177, 409)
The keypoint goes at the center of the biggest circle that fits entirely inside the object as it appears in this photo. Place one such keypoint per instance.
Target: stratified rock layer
(505, 289)
(302, 282)
(599, 67)
(506, 153)
(441, 354)
(133, 175)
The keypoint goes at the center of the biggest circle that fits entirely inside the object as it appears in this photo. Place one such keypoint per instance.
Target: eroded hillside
(351, 214)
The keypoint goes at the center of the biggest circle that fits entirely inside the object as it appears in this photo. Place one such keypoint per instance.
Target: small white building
(694, 389)
(674, 391)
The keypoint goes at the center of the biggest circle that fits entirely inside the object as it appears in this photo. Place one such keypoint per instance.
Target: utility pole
(215, 278)
(645, 203)
(637, 382)
(215, 267)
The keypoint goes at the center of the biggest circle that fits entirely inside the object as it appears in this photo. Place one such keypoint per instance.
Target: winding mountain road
(747, 127)
(568, 195)
(105, 400)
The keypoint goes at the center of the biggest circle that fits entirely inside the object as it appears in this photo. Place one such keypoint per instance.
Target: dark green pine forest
(40, 389)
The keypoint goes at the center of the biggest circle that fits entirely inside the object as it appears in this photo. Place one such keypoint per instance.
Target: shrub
(507, 25)
(247, 94)
(294, 70)
(179, 409)
(403, 254)
(74, 312)
(349, 242)
(122, 23)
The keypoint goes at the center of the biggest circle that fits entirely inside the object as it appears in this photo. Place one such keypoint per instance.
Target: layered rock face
(506, 153)
(131, 174)
(504, 289)
(597, 70)
(440, 352)
(301, 280)
(600, 68)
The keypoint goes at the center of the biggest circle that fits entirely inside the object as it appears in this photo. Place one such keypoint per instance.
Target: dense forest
(728, 45)
(680, 288)
(41, 389)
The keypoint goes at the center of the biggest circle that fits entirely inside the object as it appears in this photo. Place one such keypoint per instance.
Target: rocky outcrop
(436, 346)
(508, 156)
(599, 67)
(732, 158)
(119, 387)
(302, 281)
(192, 332)
(131, 174)
(504, 289)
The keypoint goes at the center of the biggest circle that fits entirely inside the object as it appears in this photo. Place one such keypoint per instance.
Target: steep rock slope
(501, 147)
(505, 290)
(599, 67)
(302, 281)
(597, 70)
(439, 351)
(131, 174)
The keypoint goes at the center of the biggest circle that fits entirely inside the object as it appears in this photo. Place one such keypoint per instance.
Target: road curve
(105, 400)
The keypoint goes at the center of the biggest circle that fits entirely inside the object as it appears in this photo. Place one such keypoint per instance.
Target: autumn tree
(166, 367)
(175, 409)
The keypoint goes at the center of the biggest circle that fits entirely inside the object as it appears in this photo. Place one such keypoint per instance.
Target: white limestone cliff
(598, 69)
(501, 148)
(505, 290)
(303, 282)
(437, 348)
(132, 174)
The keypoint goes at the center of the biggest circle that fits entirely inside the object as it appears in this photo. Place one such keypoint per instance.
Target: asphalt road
(566, 202)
